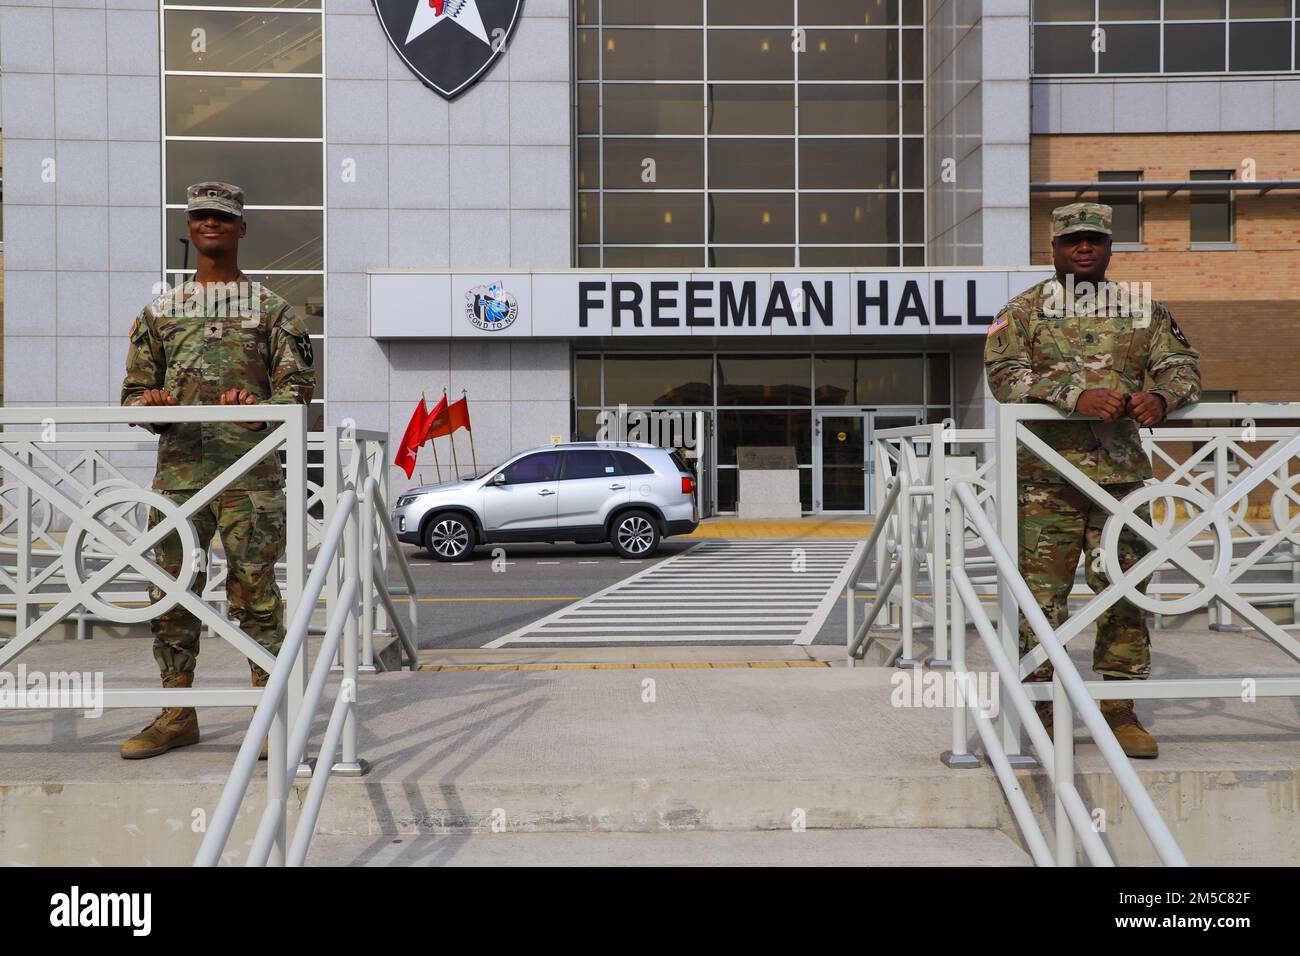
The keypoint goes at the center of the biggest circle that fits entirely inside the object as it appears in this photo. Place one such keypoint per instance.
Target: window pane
(914, 256)
(870, 379)
(275, 240)
(588, 55)
(307, 296)
(650, 257)
(848, 163)
(836, 110)
(589, 108)
(1193, 9)
(1132, 49)
(846, 13)
(539, 467)
(644, 380)
(654, 54)
(913, 157)
(244, 42)
(727, 489)
(302, 4)
(764, 379)
(654, 218)
(751, 163)
(1194, 47)
(281, 174)
(588, 163)
(913, 55)
(589, 464)
(1063, 49)
(1245, 9)
(638, 12)
(847, 217)
(849, 55)
(767, 109)
(913, 217)
(752, 257)
(751, 13)
(743, 217)
(1212, 211)
(588, 217)
(586, 379)
(677, 163)
(750, 55)
(233, 106)
(940, 367)
(1130, 10)
(588, 257)
(837, 257)
(913, 108)
(654, 108)
(764, 430)
(1126, 221)
(1057, 10)
(1259, 46)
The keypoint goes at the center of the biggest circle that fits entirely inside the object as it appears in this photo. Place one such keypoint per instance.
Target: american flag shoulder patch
(1000, 323)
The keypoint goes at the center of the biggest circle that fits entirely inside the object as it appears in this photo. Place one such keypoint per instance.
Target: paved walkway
(717, 592)
(809, 526)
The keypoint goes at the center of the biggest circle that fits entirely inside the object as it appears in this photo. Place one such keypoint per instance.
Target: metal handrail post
(24, 556)
(348, 762)
(379, 470)
(295, 466)
(330, 496)
(938, 544)
(366, 514)
(904, 510)
(277, 783)
(1006, 445)
(959, 755)
(1063, 770)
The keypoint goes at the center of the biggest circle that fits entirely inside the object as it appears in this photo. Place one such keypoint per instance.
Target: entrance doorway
(843, 466)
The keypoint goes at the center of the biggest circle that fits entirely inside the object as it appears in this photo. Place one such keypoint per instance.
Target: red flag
(446, 420)
(413, 437)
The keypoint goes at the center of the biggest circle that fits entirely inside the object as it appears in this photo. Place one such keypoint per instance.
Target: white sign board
(584, 303)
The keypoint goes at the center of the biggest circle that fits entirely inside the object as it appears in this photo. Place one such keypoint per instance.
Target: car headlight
(405, 500)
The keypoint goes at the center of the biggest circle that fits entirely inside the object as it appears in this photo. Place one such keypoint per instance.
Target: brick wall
(1240, 308)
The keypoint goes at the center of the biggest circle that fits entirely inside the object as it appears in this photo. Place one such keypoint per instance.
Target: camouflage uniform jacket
(198, 347)
(1031, 355)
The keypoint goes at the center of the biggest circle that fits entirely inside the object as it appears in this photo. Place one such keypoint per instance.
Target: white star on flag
(464, 13)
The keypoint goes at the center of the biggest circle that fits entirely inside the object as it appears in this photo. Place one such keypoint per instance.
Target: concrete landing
(627, 750)
(684, 848)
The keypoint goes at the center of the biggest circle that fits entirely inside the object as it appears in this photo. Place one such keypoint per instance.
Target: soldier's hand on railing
(1104, 403)
(242, 396)
(1147, 409)
(156, 396)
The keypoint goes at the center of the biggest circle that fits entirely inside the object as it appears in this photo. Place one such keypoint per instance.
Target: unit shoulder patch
(1178, 333)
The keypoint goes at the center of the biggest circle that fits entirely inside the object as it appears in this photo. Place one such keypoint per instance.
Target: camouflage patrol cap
(1081, 217)
(214, 195)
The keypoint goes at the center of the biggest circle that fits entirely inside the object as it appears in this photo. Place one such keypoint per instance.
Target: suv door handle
(617, 487)
(546, 491)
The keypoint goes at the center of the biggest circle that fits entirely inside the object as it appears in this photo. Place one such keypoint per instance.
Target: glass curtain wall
(764, 134)
(758, 398)
(243, 102)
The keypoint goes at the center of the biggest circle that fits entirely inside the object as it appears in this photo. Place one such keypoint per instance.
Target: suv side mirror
(499, 478)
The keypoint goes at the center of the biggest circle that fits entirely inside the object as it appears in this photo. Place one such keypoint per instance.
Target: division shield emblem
(448, 44)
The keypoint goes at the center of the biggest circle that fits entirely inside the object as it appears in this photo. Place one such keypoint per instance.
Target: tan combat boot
(259, 677)
(174, 727)
(1132, 736)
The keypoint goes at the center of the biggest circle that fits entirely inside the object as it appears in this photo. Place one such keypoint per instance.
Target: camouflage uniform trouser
(251, 524)
(1057, 522)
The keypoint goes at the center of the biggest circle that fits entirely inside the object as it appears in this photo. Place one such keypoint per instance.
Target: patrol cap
(1081, 217)
(214, 195)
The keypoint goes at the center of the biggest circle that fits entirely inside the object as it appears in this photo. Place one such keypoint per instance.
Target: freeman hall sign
(586, 303)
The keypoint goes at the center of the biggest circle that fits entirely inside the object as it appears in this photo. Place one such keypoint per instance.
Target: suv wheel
(450, 537)
(634, 534)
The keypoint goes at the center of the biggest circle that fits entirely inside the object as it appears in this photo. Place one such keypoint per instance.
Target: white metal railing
(1069, 694)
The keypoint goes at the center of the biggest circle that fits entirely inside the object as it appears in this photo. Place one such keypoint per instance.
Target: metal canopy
(1168, 187)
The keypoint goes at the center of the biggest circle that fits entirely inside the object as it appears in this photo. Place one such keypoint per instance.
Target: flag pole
(434, 445)
(455, 465)
(464, 394)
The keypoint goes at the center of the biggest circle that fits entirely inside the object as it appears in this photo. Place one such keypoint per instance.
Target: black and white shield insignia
(449, 44)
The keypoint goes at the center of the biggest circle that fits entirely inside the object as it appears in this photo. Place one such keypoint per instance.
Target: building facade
(665, 155)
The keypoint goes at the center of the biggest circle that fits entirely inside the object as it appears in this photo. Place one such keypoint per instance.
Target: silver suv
(629, 494)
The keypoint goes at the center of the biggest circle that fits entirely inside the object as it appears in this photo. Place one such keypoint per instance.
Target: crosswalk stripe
(714, 592)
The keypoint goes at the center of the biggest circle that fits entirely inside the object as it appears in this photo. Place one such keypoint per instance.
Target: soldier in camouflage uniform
(1072, 342)
(220, 339)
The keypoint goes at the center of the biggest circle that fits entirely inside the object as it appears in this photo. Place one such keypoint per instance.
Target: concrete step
(880, 847)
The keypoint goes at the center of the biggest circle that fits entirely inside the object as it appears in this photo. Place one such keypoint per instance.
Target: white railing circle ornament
(99, 488)
(1125, 514)
(1283, 521)
(41, 514)
(74, 554)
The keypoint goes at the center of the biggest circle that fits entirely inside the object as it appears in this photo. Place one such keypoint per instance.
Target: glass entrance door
(840, 461)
